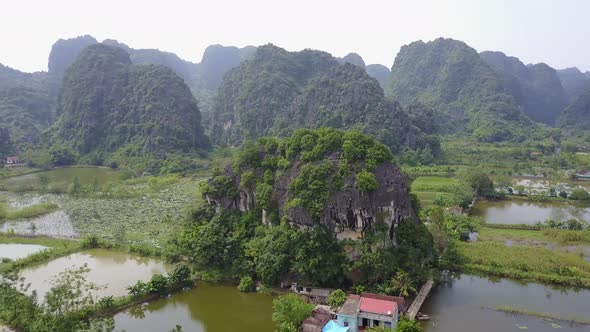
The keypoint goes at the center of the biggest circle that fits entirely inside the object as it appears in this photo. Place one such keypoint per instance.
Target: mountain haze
(467, 95)
(108, 104)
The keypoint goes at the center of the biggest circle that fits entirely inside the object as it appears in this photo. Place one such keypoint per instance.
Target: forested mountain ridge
(278, 91)
(536, 87)
(63, 53)
(109, 105)
(379, 72)
(467, 95)
(577, 116)
(26, 107)
(574, 82)
(203, 78)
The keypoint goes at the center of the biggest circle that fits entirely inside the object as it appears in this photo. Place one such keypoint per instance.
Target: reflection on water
(525, 212)
(205, 308)
(115, 270)
(465, 303)
(16, 251)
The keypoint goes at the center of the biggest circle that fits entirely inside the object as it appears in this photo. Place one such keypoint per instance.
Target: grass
(43, 241)
(525, 262)
(32, 211)
(16, 171)
(427, 188)
(524, 233)
(543, 315)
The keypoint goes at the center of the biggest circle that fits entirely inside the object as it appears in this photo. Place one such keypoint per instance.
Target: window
(346, 324)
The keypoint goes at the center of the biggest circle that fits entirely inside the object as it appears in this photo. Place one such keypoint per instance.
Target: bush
(580, 195)
(336, 298)
(246, 284)
(366, 181)
(157, 284)
(62, 155)
(290, 310)
(180, 274)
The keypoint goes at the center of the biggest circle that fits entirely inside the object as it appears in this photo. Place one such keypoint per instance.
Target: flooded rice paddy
(466, 304)
(14, 251)
(112, 270)
(527, 212)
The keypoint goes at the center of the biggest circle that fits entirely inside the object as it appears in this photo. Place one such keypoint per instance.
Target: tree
(480, 183)
(139, 289)
(290, 311)
(406, 325)
(366, 181)
(246, 284)
(403, 284)
(181, 273)
(273, 252)
(319, 258)
(62, 155)
(44, 181)
(336, 298)
(76, 186)
(157, 284)
(70, 292)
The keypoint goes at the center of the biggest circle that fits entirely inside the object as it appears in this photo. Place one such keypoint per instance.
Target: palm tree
(403, 283)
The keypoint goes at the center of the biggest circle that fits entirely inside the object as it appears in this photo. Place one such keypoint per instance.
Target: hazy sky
(556, 32)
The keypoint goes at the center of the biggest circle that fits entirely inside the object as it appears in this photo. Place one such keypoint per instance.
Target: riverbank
(39, 268)
(532, 255)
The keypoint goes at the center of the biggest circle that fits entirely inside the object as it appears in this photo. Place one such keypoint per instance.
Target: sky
(556, 32)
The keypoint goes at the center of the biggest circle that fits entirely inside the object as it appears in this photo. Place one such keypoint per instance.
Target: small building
(369, 310)
(583, 175)
(12, 161)
(320, 316)
(315, 295)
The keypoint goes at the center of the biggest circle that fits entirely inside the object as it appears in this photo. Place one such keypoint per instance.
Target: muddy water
(16, 251)
(525, 212)
(115, 270)
(205, 308)
(465, 305)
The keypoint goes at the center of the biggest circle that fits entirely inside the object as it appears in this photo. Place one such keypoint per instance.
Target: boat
(422, 317)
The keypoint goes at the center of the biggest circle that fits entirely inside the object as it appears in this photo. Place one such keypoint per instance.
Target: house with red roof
(12, 161)
(369, 310)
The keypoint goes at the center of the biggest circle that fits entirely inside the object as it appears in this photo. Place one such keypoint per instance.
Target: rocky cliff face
(348, 213)
(348, 209)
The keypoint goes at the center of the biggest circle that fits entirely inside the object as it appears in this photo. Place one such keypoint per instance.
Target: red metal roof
(377, 306)
(12, 158)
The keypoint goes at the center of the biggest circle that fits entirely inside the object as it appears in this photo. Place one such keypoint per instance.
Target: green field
(428, 187)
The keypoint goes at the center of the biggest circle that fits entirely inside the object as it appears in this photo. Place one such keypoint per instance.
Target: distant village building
(12, 161)
(369, 310)
(583, 175)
